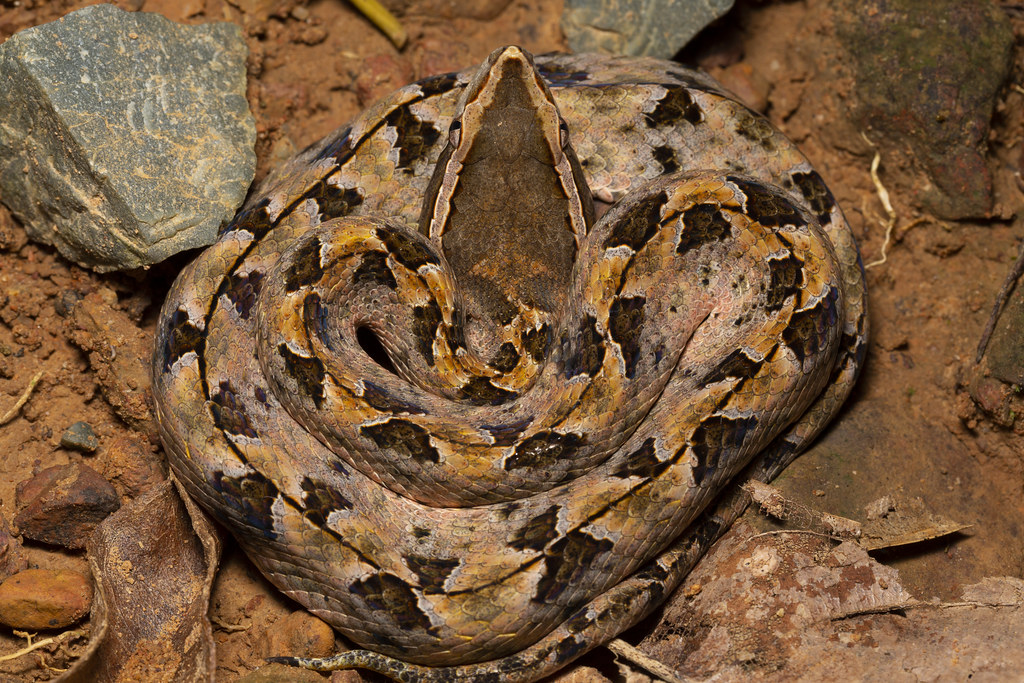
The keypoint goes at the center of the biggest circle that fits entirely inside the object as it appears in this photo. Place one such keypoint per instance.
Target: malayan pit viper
(472, 428)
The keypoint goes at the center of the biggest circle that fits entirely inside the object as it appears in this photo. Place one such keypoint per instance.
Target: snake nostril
(374, 348)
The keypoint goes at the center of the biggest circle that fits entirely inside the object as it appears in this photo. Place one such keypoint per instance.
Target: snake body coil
(472, 428)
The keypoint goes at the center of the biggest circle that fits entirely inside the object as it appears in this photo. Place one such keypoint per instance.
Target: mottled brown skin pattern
(474, 430)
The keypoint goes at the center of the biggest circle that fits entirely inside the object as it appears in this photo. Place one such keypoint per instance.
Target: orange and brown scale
(476, 470)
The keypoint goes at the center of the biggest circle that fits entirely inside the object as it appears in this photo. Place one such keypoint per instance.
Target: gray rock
(654, 28)
(927, 77)
(80, 437)
(124, 137)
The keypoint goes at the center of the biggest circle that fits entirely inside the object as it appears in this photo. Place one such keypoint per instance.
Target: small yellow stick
(9, 415)
(384, 20)
(883, 196)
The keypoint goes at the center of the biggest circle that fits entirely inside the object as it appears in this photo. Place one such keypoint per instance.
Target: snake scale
(474, 428)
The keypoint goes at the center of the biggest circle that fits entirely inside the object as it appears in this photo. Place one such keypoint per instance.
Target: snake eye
(455, 133)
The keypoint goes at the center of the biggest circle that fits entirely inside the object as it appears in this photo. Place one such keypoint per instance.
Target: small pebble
(39, 599)
(80, 437)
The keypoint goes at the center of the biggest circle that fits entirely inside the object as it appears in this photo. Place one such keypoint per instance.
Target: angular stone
(63, 504)
(124, 137)
(927, 76)
(80, 437)
(38, 599)
(657, 28)
(132, 466)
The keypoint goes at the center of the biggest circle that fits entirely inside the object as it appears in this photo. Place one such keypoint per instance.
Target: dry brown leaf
(893, 523)
(153, 563)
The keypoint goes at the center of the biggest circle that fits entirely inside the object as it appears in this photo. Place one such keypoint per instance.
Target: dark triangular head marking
(507, 201)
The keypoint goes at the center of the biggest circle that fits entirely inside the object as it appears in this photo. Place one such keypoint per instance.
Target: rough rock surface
(62, 505)
(637, 27)
(38, 599)
(928, 75)
(124, 137)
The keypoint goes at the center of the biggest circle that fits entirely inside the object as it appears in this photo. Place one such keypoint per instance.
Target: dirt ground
(910, 430)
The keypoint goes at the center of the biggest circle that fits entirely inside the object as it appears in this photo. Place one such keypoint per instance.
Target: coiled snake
(472, 428)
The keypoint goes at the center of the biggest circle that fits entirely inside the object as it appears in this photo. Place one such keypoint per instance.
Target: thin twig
(631, 654)
(22, 400)
(1001, 299)
(883, 196)
(42, 643)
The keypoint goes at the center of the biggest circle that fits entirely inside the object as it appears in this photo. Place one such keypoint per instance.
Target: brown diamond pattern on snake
(535, 342)
(339, 148)
(615, 609)
(314, 316)
(373, 270)
(737, 365)
(506, 434)
(675, 105)
(817, 194)
(643, 462)
(183, 337)
(807, 332)
(455, 334)
(432, 571)
(379, 398)
(229, 412)
(537, 532)
(320, 500)
(305, 268)
(437, 85)
(425, 320)
(557, 75)
(481, 391)
(251, 495)
(565, 561)
(569, 649)
(852, 349)
(308, 373)
(403, 437)
(588, 355)
(544, 449)
(334, 201)
(625, 323)
(405, 249)
(714, 436)
(666, 156)
(242, 290)
(766, 207)
(253, 220)
(641, 225)
(415, 137)
(392, 595)
(506, 358)
(755, 128)
(702, 223)
(786, 276)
